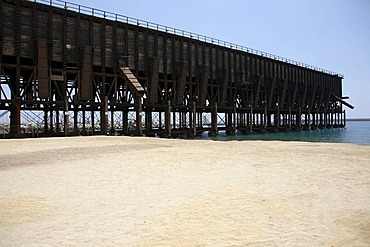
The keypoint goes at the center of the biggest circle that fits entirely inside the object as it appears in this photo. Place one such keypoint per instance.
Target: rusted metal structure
(69, 69)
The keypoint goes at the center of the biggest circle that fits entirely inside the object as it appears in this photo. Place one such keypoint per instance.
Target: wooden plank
(224, 87)
(343, 102)
(313, 96)
(304, 95)
(43, 69)
(203, 86)
(283, 94)
(180, 82)
(86, 81)
(294, 94)
(153, 81)
(133, 83)
(258, 91)
(272, 91)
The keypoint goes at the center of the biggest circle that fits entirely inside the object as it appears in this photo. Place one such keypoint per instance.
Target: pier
(68, 69)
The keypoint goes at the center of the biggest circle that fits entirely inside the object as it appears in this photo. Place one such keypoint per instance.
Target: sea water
(355, 132)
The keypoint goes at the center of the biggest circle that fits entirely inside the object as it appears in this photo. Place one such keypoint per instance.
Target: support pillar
(15, 119)
(125, 127)
(290, 118)
(277, 119)
(51, 121)
(92, 120)
(57, 121)
(214, 130)
(250, 120)
(75, 117)
(262, 122)
(229, 127)
(138, 109)
(148, 121)
(299, 118)
(194, 120)
(104, 116)
(344, 118)
(313, 125)
(160, 120)
(66, 117)
(112, 129)
(45, 120)
(84, 132)
(167, 120)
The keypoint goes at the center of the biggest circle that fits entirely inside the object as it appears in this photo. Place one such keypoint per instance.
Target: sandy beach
(131, 191)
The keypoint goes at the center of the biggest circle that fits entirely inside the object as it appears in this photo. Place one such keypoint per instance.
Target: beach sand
(136, 191)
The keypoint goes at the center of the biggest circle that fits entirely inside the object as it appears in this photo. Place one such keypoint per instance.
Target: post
(139, 131)
(290, 118)
(194, 119)
(15, 119)
(168, 120)
(66, 117)
(75, 116)
(112, 129)
(125, 127)
(57, 120)
(104, 116)
(45, 120)
(344, 118)
(213, 131)
(235, 119)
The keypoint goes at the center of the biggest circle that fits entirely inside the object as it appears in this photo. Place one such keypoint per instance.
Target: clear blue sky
(331, 34)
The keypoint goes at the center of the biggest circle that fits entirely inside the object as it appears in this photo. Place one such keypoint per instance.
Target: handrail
(158, 27)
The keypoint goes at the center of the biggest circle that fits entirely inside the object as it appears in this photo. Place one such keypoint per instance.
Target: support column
(265, 118)
(57, 121)
(92, 119)
(112, 129)
(66, 117)
(229, 127)
(167, 121)
(213, 131)
(277, 119)
(344, 118)
(194, 120)
(160, 126)
(250, 120)
(75, 117)
(45, 120)
(104, 116)
(262, 122)
(84, 132)
(125, 127)
(138, 109)
(15, 119)
(331, 120)
(313, 125)
(148, 121)
(51, 120)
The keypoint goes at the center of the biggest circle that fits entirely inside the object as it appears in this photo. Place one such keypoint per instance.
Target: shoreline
(358, 119)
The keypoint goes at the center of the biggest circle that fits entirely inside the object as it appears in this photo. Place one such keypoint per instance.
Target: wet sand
(125, 191)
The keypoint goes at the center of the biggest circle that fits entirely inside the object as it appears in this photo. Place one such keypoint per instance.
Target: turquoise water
(356, 132)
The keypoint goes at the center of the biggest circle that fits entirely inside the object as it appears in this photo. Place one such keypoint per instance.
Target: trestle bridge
(67, 69)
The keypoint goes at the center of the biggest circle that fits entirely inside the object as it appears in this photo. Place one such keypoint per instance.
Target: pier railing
(158, 27)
